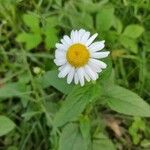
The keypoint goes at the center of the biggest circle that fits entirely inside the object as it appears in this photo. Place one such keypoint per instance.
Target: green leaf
(50, 37)
(104, 18)
(129, 43)
(32, 21)
(133, 31)
(71, 138)
(90, 6)
(85, 127)
(125, 101)
(13, 89)
(75, 103)
(52, 21)
(24, 78)
(31, 40)
(118, 25)
(101, 142)
(50, 78)
(78, 21)
(6, 125)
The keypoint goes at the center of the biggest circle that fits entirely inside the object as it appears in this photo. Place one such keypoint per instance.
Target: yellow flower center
(77, 55)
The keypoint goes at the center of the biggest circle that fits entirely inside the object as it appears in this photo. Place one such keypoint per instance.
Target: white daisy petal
(72, 35)
(67, 40)
(85, 37)
(70, 75)
(85, 75)
(61, 46)
(64, 43)
(61, 67)
(94, 67)
(98, 63)
(60, 62)
(60, 54)
(75, 39)
(76, 79)
(64, 71)
(81, 33)
(93, 75)
(91, 39)
(81, 76)
(97, 46)
(103, 65)
(99, 54)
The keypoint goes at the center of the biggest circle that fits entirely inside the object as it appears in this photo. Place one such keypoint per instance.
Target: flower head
(77, 57)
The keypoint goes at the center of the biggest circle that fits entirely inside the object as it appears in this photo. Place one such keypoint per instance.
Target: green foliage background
(39, 111)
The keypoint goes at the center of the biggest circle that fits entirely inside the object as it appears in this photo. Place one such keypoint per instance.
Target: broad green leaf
(52, 21)
(101, 142)
(51, 107)
(6, 125)
(110, 36)
(50, 37)
(85, 126)
(77, 22)
(71, 138)
(129, 43)
(77, 19)
(133, 31)
(118, 25)
(125, 101)
(88, 21)
(24, 78)
(31, 40)
(32, 21)
(13, 89)
(75, 103)
(105, 18)
(90, 6)
(50, 78)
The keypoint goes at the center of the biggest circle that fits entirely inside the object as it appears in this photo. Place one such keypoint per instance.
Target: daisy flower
(77, 57)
